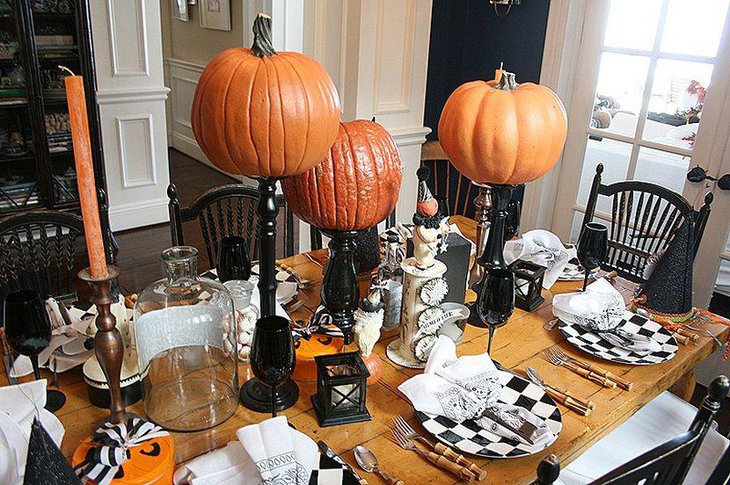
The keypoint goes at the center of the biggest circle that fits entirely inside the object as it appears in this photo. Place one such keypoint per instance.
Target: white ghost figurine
(368, 321)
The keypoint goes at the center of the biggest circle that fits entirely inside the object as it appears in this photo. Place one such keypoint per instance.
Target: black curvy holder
(493, 255)
(254, 394)
(340, 292)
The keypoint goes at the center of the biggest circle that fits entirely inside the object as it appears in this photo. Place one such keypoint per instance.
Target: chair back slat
(643, 220)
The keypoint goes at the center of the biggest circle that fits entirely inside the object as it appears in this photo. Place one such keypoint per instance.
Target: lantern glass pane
(346, 396)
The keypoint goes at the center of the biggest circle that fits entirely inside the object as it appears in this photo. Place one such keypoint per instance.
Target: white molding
(131, 95)
(139, 8)
(191, 66)
(410, 136)
(150, 165)
(403, 104)
(138, 214)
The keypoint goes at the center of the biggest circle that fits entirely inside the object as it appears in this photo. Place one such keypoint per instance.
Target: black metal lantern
(528, 284)
(341, 388)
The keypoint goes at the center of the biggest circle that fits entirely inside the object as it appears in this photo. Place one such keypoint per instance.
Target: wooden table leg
(685, 386)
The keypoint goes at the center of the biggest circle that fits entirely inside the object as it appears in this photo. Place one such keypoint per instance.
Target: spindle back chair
(229, 210)
(643, 219)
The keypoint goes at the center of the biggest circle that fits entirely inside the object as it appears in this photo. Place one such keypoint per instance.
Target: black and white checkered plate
(591, 343)
(469, 437)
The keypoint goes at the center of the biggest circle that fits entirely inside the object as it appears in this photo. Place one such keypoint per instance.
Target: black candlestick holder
(340, 291)
(108, 343)
(256, 395)
(493, 255)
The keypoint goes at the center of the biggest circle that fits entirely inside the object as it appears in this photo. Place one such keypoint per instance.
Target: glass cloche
(189, 378)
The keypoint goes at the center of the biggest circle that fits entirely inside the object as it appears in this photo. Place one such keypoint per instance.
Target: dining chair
(692, 455)
(38, 250)
(721, 473)
(229, 210)
(643, 218)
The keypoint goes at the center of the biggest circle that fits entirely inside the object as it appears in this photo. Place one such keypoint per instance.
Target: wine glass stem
(585, 279)
(273, 401)
(489, 344)
(36, 368)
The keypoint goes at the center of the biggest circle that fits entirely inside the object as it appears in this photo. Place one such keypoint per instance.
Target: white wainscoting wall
(131, 95)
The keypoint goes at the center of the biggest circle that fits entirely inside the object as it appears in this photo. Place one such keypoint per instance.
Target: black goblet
(592, 248)
(272, 362)
(234, 262)
(28, 331)
(496, 300)
(512, 222)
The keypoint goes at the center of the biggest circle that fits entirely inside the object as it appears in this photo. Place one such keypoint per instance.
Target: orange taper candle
(85, 174)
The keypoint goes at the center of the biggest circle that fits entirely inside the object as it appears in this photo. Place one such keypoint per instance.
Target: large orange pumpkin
(503, 132)
(260, 113)
(357, 184)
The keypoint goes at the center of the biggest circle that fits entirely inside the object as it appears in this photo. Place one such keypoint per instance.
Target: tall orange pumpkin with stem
(503, 132)
(267, 115)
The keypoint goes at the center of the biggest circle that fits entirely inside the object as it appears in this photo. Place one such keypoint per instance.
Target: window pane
(632, 24)
(722, 284)
(614, 155)
(619, 93)
(676, 102)
(666, 169)
(694, 27)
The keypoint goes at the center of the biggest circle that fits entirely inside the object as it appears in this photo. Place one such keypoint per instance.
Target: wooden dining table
(520, 343)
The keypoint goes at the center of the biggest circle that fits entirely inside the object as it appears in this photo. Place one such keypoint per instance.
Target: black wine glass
(496, 300)
(28, 331)
(272, 354)
(512, 222)
(234, 262)
(592, 248)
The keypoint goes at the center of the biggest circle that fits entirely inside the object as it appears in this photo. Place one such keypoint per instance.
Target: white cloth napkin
(463, 388)
(541, 247)
(601, 309)
(268, 452)
(18, 406)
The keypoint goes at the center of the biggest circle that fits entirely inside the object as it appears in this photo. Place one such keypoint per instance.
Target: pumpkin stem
(262, 42)
(507, 82)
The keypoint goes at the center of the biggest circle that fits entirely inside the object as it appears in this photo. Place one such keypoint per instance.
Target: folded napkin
(18, 406)
(601, 309)
(267, 453)
(541, 247)
(464, 388)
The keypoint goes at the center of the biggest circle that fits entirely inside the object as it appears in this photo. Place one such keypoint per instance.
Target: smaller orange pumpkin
(501, 132)
(355, 187)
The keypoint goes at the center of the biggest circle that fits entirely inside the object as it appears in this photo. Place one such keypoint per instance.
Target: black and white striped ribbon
(102, 462)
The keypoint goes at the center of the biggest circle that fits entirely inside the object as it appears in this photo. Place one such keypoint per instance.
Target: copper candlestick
(108, 343)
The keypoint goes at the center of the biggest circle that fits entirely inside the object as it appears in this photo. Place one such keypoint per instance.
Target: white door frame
(546, 205)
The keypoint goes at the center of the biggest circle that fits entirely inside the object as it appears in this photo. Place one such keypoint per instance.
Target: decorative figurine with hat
(424, 286)
(368, 322)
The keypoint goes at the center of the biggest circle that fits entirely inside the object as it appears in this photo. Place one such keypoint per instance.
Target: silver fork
(621, 382)
(433, 458)
(443, 450)
(585, 373)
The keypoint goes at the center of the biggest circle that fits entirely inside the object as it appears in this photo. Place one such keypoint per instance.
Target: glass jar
(246, 315)
(189, 380)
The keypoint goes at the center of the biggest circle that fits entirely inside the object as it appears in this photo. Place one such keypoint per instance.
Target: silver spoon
(369, 462)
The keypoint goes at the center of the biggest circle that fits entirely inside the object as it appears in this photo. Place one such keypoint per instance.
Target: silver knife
(525, 430)
(332, 454)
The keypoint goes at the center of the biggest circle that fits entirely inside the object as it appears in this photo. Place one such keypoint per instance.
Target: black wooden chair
(668, 463)
(229, 210)
(38, 250)
(643, 218)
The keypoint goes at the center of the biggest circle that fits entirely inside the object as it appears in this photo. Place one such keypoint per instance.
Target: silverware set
(593, 373)
(406, 437)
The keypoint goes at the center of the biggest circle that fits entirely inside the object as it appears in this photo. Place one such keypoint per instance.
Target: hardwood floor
(139, 249)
